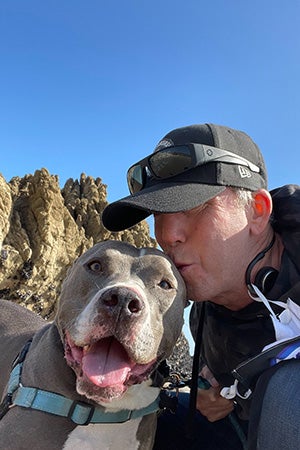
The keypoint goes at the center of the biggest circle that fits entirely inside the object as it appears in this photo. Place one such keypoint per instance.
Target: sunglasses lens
(135, 178)
(170, 162)
(162, 164)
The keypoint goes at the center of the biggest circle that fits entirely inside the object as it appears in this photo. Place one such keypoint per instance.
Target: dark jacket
(230, 337)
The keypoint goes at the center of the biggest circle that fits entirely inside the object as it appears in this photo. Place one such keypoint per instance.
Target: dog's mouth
(104, 367)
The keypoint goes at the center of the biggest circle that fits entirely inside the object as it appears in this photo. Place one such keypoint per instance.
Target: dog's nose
(122, 299)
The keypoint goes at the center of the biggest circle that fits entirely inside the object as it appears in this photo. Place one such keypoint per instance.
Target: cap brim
(160, 198)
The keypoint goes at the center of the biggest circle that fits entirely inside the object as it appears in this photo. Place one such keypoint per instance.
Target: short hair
(244, 197)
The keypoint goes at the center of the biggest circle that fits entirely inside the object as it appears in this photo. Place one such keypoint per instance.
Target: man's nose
(169, 229)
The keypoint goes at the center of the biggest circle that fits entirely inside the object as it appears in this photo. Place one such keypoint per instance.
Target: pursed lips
(181, 266)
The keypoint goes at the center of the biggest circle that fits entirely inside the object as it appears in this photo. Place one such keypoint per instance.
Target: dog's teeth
(86, 347)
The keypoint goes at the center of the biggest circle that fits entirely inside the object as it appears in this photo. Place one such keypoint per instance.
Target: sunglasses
(171, 161)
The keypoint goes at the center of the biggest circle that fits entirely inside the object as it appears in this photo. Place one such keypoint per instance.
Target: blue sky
(91, 86)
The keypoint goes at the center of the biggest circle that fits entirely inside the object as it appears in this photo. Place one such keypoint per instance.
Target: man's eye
(164, 284)
(95, 266)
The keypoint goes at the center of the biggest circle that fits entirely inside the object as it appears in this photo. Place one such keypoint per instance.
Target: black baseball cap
(195, 186)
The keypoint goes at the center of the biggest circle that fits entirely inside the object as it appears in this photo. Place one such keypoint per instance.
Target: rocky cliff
(44, 228)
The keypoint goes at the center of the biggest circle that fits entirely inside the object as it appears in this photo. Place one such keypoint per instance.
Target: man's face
(210, 245)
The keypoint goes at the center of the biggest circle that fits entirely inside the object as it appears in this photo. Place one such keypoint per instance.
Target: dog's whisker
(98, 287)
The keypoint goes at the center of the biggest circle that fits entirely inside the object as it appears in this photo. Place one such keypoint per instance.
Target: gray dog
(84, 380)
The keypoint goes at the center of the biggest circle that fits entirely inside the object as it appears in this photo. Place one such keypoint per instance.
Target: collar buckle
(81, 413)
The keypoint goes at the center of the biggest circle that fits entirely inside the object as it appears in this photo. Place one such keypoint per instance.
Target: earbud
(265, 277)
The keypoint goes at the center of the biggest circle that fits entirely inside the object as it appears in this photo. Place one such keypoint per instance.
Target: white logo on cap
(244, 172)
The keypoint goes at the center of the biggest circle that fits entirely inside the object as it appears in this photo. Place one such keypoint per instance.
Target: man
(207, 188)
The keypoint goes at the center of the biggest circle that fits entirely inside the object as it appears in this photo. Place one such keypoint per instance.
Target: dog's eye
(164, 284)
(95, 266)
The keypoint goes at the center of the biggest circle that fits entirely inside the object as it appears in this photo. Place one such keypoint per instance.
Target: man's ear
(261, 210)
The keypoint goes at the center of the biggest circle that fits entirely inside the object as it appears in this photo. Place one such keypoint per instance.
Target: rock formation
(44, 228)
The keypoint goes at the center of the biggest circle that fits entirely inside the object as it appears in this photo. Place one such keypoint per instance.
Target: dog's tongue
(106, 363)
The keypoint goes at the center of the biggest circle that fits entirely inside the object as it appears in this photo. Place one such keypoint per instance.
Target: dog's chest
(104, 436)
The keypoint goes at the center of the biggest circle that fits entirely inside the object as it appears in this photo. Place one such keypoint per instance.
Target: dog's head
(120, 314)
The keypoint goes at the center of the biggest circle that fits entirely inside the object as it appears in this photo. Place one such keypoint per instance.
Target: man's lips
(182, 266)
(178, 261)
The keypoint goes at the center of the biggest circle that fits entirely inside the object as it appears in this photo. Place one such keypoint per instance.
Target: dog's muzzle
(114, 352)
